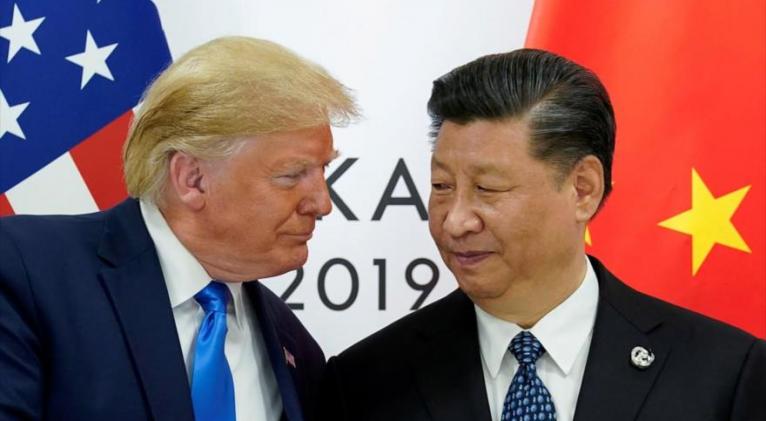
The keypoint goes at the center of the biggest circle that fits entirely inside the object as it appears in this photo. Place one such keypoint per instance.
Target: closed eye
(484, 189)
(292, 177)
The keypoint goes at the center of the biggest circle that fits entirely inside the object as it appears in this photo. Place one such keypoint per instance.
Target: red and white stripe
(86, 179)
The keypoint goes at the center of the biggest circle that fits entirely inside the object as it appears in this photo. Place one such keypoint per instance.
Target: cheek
(276, 206)
(545, 230)
(235, 198)
(436, 215)
(433, 224)
(249, 221)
(515, 225)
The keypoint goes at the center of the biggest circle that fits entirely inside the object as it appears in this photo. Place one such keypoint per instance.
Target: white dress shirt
(256, 394)
(565, 332)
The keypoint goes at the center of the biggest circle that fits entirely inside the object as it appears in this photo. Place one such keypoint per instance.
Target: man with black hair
(537, 330)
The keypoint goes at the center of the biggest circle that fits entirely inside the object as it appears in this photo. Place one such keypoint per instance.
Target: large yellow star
(709, 221)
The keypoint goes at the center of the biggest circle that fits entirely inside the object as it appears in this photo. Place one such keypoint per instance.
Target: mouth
(470, 258)
(301, 236)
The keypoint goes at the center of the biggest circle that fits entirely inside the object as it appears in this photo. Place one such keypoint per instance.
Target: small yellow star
(709, 221)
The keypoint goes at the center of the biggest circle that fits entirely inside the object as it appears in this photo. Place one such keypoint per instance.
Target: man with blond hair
(151, 310)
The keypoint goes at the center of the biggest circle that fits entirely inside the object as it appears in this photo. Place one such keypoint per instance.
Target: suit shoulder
(42, 243)
(700, 325)
(695, 329)
(46, 231)
(645, 312)
(443, 314)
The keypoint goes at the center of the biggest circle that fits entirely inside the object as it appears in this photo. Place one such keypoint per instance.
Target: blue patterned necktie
(527, 398)
(212, 384)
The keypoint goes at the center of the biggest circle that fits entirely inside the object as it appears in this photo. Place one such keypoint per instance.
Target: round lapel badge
(641, 358)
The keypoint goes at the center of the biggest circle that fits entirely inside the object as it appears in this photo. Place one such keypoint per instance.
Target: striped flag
(70, 75)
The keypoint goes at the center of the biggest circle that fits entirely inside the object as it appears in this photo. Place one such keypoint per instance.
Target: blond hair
(219, 93)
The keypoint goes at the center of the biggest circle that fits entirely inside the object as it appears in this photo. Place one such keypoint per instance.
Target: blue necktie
(212, 384)
(527, 398)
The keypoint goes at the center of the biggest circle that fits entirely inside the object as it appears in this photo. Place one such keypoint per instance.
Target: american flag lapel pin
(289, 358)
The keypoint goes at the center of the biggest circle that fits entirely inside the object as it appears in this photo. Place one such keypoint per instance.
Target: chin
(295, 259)
(279, 262)
(480, 289)
(302, 255)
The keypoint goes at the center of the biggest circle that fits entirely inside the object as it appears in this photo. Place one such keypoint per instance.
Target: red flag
(687, 218)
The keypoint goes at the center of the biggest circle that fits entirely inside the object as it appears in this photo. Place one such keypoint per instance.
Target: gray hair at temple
(565, 106)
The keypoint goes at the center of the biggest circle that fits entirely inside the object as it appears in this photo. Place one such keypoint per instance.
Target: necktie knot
(526, 348)
(213, 297)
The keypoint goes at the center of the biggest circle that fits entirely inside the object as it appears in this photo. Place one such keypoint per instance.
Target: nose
(462, 219)
(317, 200)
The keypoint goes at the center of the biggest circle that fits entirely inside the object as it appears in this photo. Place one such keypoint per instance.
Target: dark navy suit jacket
(427, 366)
(87, 331)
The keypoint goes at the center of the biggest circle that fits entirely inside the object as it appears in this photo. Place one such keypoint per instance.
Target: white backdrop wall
(388, 53)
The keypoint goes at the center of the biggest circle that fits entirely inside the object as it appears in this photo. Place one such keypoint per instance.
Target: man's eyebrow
(487, 169)
(476, 169)
(438, 164)
(306, 163)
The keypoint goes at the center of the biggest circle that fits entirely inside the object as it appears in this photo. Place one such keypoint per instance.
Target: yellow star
(709, 221)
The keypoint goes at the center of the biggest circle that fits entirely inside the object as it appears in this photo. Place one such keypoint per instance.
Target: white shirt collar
(184, 275)
(563, 331)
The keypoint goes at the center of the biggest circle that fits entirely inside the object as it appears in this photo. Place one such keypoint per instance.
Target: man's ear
(588, 179)
(187, 180)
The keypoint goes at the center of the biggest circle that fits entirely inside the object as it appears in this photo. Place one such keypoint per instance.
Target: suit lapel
(448, 369)
(612, 388)
(278, 346)
(133, 280)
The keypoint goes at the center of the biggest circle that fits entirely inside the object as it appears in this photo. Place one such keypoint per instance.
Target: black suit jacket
(87, 330)
(427, 366)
